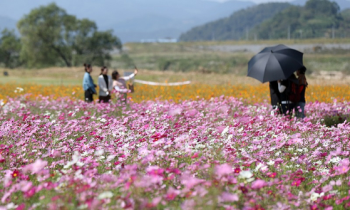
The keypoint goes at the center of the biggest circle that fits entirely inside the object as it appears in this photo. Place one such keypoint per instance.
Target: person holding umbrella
(273, 64)
(285, 89)
(275, 97)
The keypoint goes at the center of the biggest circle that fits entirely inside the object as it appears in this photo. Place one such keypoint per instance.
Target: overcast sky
(257, 1)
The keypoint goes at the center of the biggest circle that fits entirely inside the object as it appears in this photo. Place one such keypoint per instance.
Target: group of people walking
(108, 85)
(288, 95)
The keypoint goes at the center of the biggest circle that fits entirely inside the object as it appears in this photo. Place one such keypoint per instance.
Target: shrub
(334, 120)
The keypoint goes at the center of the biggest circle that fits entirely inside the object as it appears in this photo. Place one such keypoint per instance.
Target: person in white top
(119, 84)
(105, 85)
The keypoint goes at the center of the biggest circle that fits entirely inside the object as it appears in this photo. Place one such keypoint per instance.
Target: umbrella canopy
(275, 63)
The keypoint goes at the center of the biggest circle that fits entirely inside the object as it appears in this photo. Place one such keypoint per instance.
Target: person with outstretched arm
(88, 84)
(119, 84)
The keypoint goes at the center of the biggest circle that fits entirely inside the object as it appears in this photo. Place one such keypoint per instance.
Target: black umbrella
(275, 63)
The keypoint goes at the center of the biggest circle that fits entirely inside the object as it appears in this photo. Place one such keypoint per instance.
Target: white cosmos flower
(75, 160)
(250, 180)
(106, 194)
(245, 174)
(225, 131)
(110, 157)
(80, 164)
(335, 160)
(83, 206)
(11, 206)
(260, 166)
(333, 192)
(99, 152)
(314, 196)
(271, 162)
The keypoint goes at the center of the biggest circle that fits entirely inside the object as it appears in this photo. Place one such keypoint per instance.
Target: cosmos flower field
(220, 153)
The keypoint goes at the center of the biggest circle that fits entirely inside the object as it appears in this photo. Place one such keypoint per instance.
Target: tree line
(317, 19)
(49, 36)
(235, 26)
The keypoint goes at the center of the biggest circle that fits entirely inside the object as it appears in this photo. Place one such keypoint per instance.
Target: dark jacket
(285, 95)
(274, 93)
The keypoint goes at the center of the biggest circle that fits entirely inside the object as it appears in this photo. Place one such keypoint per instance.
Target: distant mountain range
(276, 21)
(132, 20)
(236, 25)
(343, 4)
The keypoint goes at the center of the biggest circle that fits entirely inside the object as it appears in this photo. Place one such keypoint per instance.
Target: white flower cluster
(18, 90)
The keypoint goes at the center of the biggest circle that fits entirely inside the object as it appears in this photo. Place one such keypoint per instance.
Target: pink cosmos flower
(345, 162)
(188, 205)
(223, 169)
(192, 112)
(35, 167)
(195, 155)
(258, 184)
(15, 174)
(228, 197)
(220, 129)
(25, 186)
(30, 192)
(21, 207)
(327, 188)
(343, 168)
(272, 175)
(237, 170)
(296, 183)
(189, 181)
(314, 207)
(171, 194)
(175, 111)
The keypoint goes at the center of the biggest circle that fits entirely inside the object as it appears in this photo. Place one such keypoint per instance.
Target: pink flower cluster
(221, 153)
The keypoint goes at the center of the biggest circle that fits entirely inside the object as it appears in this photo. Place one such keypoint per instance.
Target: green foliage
(51, 37)
(10, 47)
(346, 15)
(164, 64)
(204, 64)
(128, 62)
(331, 121)
(318, 18)
(234, 27)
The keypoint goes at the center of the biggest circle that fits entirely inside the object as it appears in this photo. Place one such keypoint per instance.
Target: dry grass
(73, 76)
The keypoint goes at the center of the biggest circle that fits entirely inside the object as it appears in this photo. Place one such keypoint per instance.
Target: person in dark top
(300, 106)
(88, 84)
(284, 87)
(275, 97)
(105, 85)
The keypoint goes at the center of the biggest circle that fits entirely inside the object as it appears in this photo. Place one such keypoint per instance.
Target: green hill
(235, 26)
(317, 19)
(346, 14)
